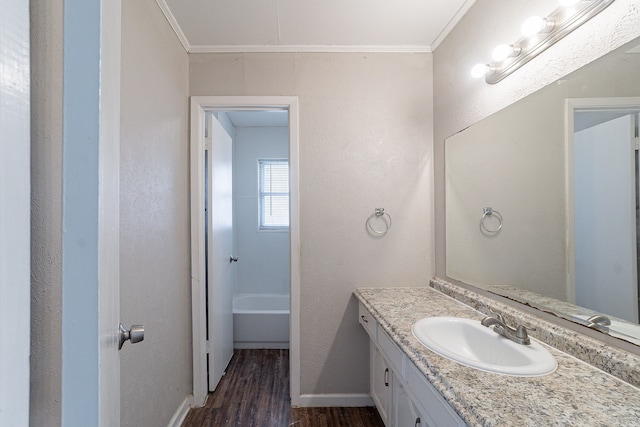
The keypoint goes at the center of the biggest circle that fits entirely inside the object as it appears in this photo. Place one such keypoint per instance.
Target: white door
(90, 230)
(14, 213)
(605, 218)
(219, 251)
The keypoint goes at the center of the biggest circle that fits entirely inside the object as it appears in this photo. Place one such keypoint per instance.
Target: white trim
(335, 400)
(173, 22)
(310, 49)
(109, 210)
(573, 105)
(199, 105)
(452, 23)
(181, 412)
(198, 296)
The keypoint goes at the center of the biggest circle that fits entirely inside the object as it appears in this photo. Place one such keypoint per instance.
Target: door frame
(573, 105)
(199, 106)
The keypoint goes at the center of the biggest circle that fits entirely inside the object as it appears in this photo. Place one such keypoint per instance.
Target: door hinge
(209, 347)
(207, 143)
(637, 143)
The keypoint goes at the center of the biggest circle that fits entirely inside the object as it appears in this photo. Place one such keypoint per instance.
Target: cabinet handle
(364, 319)
(386, 377)
(418, 423)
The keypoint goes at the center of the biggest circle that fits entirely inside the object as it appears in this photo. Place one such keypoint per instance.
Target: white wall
(263, 266)
(154, 231)
(15, 204)
(460, 101)
(365, 142)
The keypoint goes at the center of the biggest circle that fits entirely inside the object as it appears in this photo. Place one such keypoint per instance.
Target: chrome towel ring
(488, 213)
(386, 218)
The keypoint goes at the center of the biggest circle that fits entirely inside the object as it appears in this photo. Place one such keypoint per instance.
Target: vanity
(414, 386)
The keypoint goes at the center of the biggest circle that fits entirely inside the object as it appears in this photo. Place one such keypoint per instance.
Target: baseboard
(335, 400)
(181, 412)
(253, 345)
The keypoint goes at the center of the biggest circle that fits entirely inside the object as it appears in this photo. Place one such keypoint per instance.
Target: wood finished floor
(255, 393)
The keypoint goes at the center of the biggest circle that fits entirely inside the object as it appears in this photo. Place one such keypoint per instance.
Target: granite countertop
(576, 394)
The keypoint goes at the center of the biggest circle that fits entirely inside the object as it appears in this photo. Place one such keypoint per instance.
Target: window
(273, 176)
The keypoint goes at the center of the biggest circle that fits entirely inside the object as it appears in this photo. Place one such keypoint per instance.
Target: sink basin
(467, 342)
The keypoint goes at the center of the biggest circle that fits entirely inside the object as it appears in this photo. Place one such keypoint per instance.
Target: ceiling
(268, 118)
(312, 25)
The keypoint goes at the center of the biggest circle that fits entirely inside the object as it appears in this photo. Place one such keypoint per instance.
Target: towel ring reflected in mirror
(490, 213)
(386, 218)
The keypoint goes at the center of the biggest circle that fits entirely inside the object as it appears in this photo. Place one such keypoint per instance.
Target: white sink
(467, 342)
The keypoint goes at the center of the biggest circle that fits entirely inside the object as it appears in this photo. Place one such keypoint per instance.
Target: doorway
(602, 185)
(201, 108)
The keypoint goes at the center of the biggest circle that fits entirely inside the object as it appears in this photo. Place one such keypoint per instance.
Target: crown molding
(309, 49)
(174, 24)
(452, 23)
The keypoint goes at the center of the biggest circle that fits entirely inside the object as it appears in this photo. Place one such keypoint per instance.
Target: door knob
(135, 334)
(233, 258)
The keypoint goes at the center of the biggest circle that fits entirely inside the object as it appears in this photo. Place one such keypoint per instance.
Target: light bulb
(479, 70)
(535, 25)
(567, 3)
(503, 51)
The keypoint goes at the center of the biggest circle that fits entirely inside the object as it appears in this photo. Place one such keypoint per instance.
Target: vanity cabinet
(402, 394)
(380, 382)
(406, 411)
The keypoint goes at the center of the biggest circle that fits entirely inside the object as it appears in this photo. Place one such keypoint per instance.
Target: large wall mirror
(542, 198)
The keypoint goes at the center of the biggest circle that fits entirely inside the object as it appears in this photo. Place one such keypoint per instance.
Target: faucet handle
(522, 334)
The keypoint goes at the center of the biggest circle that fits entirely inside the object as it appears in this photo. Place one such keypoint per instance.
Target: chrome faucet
(518, 334)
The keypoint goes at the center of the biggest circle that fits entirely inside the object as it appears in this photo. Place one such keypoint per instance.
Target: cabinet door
(381, 383)
(405, 413)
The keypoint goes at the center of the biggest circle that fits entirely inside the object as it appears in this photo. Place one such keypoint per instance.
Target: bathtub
(261, 321)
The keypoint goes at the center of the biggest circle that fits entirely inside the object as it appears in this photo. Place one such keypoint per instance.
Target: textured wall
(460, 101)
(365, 142)
(46, 210)
(263, 266)
(154, 213)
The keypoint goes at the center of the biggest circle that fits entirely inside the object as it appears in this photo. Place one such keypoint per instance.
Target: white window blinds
(274, 193)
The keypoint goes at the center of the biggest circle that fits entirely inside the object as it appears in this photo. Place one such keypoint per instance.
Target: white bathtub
(261, 321)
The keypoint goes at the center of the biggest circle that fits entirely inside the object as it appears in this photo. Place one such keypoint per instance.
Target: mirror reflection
(542, 198)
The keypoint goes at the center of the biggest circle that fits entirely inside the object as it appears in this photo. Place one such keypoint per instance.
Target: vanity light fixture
(536, 25)
(504, 51)
(539, 33)
(480, 70)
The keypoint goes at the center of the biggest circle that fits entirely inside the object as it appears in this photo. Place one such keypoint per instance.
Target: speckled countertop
(576, 394)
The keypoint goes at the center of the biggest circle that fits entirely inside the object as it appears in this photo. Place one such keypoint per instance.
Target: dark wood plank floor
(255, 393)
